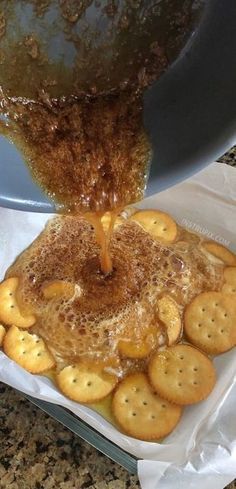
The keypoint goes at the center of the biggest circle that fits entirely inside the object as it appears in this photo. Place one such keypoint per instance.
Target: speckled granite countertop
(36, 452)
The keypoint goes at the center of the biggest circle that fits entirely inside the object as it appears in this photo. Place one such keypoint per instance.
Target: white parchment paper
(201, 452)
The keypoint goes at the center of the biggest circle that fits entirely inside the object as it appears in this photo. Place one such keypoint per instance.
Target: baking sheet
(202, 449)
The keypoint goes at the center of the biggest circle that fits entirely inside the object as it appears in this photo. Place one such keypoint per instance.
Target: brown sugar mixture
(89, 155)
(105, 309)
(80, 127)
(71, 89)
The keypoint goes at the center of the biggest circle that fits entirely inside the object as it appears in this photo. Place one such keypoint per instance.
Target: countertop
(36, 452)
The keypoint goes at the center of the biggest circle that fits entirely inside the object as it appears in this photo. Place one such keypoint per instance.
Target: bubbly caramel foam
(106, 308)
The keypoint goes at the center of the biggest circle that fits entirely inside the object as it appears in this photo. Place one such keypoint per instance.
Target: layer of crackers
(178, 347)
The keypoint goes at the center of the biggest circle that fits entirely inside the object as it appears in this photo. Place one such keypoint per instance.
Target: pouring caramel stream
(91, 156)
(103, 237)
(81, 129)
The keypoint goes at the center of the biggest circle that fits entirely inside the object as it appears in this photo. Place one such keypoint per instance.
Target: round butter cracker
(140, 412)
(140, 347)
(2, 334)
(229, 286)
(217, 250)
(9, 310)
(210, 322)
(28, 350)
(157, 223)
(168, 313)
(85, 384)
(182, 374)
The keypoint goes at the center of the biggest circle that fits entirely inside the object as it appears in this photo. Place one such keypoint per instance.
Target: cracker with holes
(28, 350)
(229, 286)
(223, 254)
(2, 334)
(182, 374)
(210, 322)
(9, 309)
(168, 313)
(141, 412)
(85, 384)
(159, 224)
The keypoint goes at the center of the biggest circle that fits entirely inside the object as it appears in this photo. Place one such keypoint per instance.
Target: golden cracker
(229, 289)
(2, 334)
(58, 288)
(182, 374)
(168, 313)
(140, 347)
(85, 384)
(28, 350)
(9, 309)
(210, 322)
(159, 224)
(140, 412)
(230, 275)
(230, 280)
(220, 252)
